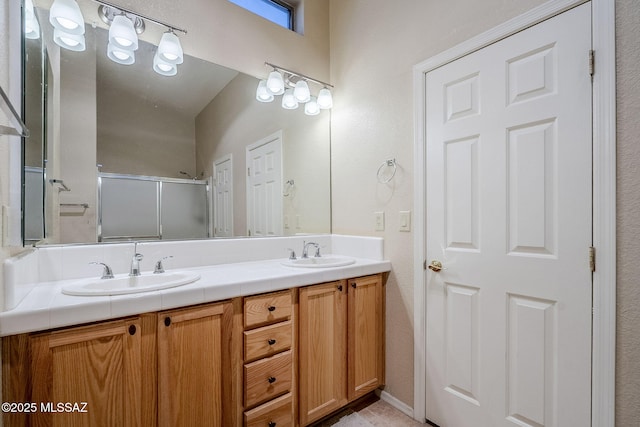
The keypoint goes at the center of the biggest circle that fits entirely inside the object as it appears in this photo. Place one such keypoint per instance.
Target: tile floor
(370, 413)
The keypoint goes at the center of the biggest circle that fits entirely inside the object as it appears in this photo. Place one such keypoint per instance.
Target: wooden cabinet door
(366, 335)
(191, 365)
(100, 365)
(322, 350)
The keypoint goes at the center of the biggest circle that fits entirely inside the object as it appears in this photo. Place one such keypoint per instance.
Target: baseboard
(399, 405)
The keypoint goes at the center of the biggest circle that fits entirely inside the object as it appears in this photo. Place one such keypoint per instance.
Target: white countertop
(46, 307)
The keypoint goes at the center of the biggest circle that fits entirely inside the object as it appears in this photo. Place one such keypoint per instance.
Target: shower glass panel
(184, 210)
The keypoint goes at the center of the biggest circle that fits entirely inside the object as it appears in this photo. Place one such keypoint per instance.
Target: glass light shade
(301, 91)
(288, 100)
(32, 29)
(262, 93)
(122, 34)
(121, 56)
(170, 49)
(65, 15)
(325, 100)
(74, 42)
(275, 83)
(164, 68)
(311, 107)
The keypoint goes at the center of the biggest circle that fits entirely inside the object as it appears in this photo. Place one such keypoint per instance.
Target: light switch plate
(405, 220)
(379, 221)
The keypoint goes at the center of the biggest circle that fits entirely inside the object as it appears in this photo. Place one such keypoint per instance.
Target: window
(275, 11)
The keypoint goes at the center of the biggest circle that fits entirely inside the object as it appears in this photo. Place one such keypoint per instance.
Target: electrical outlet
(379, 221)
(405, 221)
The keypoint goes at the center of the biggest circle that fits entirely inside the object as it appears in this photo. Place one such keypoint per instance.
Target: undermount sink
(325, 261)
(121, 285)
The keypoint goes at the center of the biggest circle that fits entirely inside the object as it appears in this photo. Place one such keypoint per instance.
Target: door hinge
(592, 62)
(248, 171)
(424, 264)
(592, 258)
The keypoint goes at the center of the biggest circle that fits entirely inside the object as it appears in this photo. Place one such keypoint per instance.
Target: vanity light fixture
(74, 42)
(119, 55)
(262, 93)
(170, 49)
(297, 92)
(164, 68)
(122, 34)
(65, 15)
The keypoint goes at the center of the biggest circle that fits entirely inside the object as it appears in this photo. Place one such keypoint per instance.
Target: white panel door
(223, 197)
(509, 217)
(264, 187)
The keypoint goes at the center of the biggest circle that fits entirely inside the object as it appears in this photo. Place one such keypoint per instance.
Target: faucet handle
(318, 251)
(159, 268)
(292, 255)
(106, 273)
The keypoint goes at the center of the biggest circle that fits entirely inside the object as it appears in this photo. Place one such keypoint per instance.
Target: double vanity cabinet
(278, 359)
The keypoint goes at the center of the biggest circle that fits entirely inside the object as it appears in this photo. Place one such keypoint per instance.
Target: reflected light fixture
(311, 107)
(289, 101)
(297, 90)
(119, 55)
(325, 100)
(262, 93)
(65, 15)
(74, 42)
(31, 25)
(164, 68)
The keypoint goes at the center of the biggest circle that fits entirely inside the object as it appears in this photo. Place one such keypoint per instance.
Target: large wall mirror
(120, 152)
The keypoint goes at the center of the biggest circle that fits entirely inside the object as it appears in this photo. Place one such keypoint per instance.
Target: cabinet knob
(132, 329)
(353, 285)
(271, 341)
(272, 424)
(271, 380)
(271, 308)
(340, 288)
(167, 321)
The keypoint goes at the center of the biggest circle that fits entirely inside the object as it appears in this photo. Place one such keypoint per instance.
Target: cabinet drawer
(267, 341)
(276, 413)
(268, 308)
(267, 378)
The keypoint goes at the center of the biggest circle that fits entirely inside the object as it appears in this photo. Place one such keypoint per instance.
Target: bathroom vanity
(280, 346)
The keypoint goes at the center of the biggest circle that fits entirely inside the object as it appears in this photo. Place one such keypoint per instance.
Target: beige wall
(234, 120)
(374, 45)
(628, 204)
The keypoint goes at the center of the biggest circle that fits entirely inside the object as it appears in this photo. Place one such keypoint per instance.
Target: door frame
(604, 196)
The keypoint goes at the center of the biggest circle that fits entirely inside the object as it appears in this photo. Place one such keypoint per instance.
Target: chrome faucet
(305, 249)
(135, 262)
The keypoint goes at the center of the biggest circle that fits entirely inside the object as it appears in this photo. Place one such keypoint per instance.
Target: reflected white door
(509, 217)
(264, 187)
(223, 199)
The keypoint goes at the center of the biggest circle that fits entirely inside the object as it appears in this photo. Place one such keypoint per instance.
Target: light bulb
(170, 49)
(122, 33)
(74, 42)
(119, 55)
(275, 83)
(65, 15)
(288, 100)
(325, 100)
(311, 107)
(262, 93)
(164, 68)
(301, 91)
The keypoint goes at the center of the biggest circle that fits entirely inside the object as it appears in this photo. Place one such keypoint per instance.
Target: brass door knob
(435, 266)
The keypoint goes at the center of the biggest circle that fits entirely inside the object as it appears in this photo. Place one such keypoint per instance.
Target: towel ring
(391, 163)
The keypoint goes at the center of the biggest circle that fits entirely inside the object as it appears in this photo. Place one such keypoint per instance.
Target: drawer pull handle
(271, 380)
(340, 288)
(272, 424)
(271, 308)
(167, 321)
(353, 285)
(271, 341)
(132, 330)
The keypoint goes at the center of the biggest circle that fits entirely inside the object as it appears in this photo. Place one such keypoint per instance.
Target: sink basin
(121, 285)
(326, 261)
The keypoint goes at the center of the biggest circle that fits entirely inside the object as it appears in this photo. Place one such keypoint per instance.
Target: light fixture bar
(146, 18)
(293, 73)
